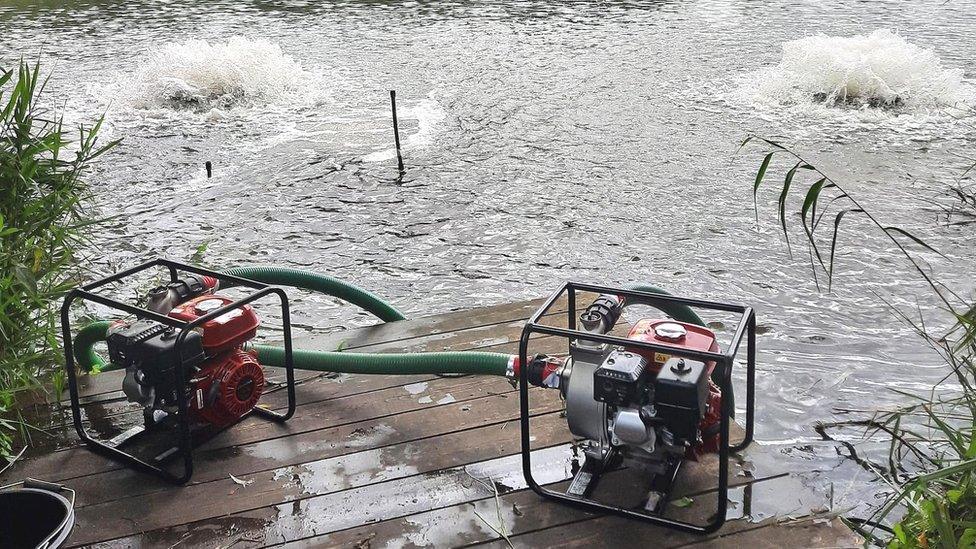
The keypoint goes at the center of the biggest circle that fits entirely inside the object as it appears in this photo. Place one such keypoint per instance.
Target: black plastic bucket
(35, 515)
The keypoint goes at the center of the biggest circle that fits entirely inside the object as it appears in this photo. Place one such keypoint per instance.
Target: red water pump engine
(223, 380)
(643, 403)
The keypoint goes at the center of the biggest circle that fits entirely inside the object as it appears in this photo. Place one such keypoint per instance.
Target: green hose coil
(283, 276)
(468, 362)
(492, 364)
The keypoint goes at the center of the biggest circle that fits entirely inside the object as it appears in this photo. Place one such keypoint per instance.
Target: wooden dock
(406, 461)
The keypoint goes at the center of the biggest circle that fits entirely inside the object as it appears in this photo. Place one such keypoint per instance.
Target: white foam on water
(202, 76)
(877, 72)
(428, 114)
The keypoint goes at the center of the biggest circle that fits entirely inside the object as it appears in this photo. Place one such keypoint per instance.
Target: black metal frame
(185, 443)
(723, 362)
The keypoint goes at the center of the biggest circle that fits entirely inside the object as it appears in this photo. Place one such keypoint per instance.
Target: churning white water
(876, 70)
(199, 75)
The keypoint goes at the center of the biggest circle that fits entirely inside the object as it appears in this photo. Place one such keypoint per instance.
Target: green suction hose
(283, 276)
(466, 362)
(360, 363)
(676, 311)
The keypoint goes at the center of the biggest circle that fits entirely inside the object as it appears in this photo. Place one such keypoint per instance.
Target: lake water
(585, 141)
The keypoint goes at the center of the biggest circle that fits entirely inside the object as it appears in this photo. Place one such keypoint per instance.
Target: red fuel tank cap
(670, 331)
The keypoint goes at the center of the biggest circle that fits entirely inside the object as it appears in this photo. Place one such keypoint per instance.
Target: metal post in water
(209, 168)
(396, 130)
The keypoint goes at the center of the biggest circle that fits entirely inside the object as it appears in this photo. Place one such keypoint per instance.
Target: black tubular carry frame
(185, 443)
(746, 327)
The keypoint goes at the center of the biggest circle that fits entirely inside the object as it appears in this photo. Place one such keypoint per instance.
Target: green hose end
(84, 347)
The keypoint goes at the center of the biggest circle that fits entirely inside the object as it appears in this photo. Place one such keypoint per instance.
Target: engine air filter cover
(681, 393)
(228, 387)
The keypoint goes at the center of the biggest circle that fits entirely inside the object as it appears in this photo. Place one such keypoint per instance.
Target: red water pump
(185, 351)
(689, 336)
(641, 404)
(224, 381)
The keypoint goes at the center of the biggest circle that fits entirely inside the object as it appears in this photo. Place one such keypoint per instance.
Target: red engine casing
(227, 331)
(695, 338)
(230, 381)
(227, 386)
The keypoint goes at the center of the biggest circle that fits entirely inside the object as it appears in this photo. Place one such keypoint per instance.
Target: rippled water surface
(588, 141)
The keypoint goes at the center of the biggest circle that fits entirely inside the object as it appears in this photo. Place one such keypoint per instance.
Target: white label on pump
(199, 399)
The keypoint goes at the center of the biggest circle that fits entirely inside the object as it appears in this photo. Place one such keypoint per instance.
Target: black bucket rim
(60, 533)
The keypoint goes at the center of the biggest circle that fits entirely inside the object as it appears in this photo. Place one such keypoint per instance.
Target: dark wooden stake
(396, 130)
(209, 167)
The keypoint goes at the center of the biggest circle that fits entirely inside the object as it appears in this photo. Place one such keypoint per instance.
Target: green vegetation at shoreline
(44, 221)
(931, 462)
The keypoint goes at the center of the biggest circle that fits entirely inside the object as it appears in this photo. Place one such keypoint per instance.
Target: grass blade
(759, 178)
(833, 241)
(914, 238)
(783, 195)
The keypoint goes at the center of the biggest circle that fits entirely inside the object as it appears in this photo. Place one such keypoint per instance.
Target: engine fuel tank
(225, 332)
(671, 332)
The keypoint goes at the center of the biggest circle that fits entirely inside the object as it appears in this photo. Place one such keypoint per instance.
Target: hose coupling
(511, 371)
(602, 314)
(543, 371)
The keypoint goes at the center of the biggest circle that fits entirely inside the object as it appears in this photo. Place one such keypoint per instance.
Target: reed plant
(931, 462)
(45, 218)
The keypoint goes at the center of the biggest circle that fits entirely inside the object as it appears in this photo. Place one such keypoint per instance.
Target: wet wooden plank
(754, 505)
(389, 417)
(334, 493)
(504, 472)
(514, 513)
(454, 490)
(809, 532)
